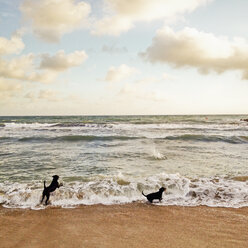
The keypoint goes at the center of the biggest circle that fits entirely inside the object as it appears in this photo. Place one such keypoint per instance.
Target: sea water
(201, 160)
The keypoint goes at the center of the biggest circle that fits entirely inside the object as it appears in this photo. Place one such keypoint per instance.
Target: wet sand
(130, 225)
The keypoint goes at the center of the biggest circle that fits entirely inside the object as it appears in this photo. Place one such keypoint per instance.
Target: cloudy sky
(110, 57)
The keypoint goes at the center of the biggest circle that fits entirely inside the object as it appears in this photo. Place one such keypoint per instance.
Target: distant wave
(89, 138)
(75, 124)
(210, 138)
(35, 139)
(71, 124)
(14, 125)
(5, 154)
(75, 138)
(93, 138)
(5, 138)
(47, 126)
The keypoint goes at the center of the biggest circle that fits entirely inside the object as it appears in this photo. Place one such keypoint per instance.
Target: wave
(89, 138)
(48, 126)
(5, 154)
(75, 138)
(69, 125)
(210, 138)
(14, 125)
(5, 138)
(138, 120)
(117, 127)
(181, 191)
(75, 124)
(93, 138)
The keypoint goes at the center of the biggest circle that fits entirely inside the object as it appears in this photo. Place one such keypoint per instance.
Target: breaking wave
(181, 191)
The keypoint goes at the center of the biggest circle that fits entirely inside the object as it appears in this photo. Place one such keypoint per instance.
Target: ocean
(201, 160)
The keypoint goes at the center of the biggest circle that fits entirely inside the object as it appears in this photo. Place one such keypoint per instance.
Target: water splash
(157, 155)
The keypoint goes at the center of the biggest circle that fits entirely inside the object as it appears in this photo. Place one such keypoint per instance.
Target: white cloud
(12, 46)
(60, 61)
(113, 25)
(123, 14)
(9, 86)
(42, 76)
(30, 95)
(47, 94)
(112, 49)
(17, 67)
(116, 74)
(204, 51)
(52, 96)
(167, 76)
(147, 10)
(51, 19)
(23, 68)
(144, 90)
(9, 89)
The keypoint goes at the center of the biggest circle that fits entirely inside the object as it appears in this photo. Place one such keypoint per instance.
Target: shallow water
(111, 159)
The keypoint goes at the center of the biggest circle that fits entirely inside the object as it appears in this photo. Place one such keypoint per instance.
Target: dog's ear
(162, 189)
(56, 177)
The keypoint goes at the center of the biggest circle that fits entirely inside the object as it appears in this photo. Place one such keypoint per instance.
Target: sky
(123, 57)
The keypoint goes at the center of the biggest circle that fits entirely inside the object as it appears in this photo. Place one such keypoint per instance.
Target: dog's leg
(43, 196)
(47, 198)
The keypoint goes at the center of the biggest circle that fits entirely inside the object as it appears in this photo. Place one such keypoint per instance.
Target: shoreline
(127, 225)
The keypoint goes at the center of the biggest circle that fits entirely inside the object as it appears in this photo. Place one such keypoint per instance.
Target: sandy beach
(130, 225)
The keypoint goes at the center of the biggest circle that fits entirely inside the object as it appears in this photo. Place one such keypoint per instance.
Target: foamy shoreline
(120, 189)
(128, 225)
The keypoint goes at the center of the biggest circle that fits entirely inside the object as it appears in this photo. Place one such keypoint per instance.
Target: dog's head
(55, 177)
(162, 189)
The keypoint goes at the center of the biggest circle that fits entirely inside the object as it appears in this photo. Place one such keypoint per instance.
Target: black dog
(52, 187)
(156, 195)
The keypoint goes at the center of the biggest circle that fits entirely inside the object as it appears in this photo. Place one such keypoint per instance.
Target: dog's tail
(144, 194)
(44, 184)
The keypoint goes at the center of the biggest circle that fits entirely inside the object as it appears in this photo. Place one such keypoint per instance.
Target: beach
(123, 124)
(129, 225)
(105, 163)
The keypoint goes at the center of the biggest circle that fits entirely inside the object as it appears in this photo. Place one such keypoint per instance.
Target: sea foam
(181, 191)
